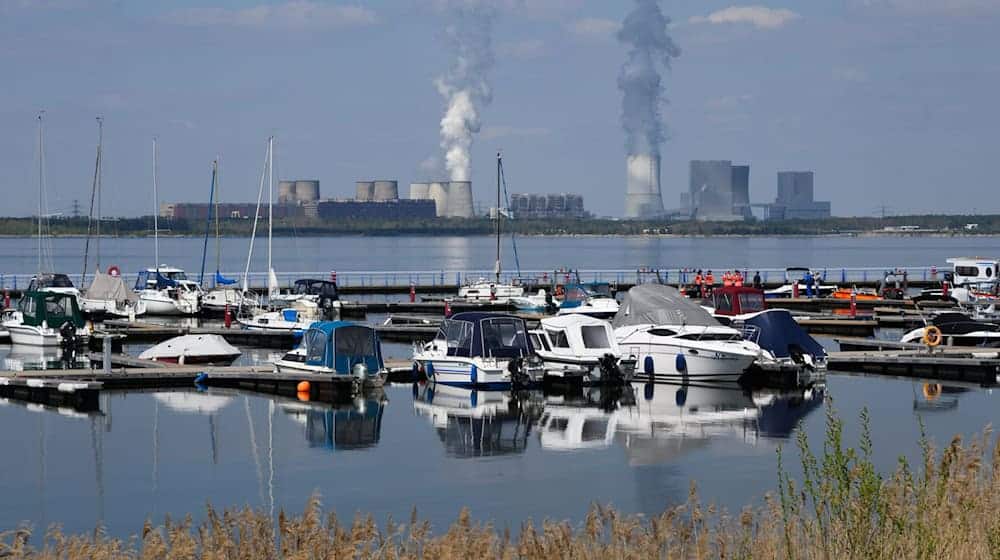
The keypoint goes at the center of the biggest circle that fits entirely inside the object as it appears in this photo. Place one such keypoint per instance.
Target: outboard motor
(610, 372)
(517, 375)
(67, 335)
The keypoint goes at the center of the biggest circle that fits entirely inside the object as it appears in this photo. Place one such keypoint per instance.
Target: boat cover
(656, 304)
(493, 335)
(110, 288)
(221, 280)
(339, 345)
(191, 346)
(778, 332)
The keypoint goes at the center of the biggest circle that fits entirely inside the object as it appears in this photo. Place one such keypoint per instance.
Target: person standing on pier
(757, 283)
(699, 284)
(710, 282)
(738, 279)
(808, 279)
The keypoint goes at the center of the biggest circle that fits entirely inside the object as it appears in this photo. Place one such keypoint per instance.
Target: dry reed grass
(947, 507)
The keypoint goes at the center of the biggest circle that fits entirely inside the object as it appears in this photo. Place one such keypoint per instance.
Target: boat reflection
(23, 357)
(935, 397)
(587, 420)
(473, 423)
(353, 425)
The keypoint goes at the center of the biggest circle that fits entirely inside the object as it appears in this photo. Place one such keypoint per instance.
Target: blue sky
(890, 102)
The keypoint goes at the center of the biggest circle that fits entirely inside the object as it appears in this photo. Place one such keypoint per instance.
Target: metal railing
(452, 278)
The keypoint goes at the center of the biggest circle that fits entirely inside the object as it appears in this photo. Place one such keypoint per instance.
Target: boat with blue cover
(340, 350)
(481, 350)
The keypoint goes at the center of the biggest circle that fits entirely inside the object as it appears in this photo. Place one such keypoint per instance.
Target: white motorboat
(317, 298)
(193, 349)
(54, 283)
(480, 350)
(673, 338)
(283, 320)
(46, 319)
(540, 302)
(958, 329)
(594, 300)
(220, 298)
(167, 291)
(581, 348)
(797, 275)
(338, 351)
(108, 295)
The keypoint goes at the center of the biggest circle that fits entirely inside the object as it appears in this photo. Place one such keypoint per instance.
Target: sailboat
(165, 290)
(47, 314)
(295, 319)
(224, 293)
(494, 290)
(107, 293)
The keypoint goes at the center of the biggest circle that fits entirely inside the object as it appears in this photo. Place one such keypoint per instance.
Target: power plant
(642, 192)
(298, 192)
(452, 199)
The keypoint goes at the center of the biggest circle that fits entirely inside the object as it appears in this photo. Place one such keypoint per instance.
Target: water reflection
(935, 397)
(354, 425)
(474, 423)
(22, 357)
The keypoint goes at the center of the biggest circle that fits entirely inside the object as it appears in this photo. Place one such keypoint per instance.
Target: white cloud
(529, 48)
(505, 131)
(295, 14)
(594, 28)
(760, 17)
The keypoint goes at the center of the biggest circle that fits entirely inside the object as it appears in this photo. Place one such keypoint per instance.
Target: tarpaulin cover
(656, 304)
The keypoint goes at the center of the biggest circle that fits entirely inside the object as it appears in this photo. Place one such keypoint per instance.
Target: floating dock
(980, 366)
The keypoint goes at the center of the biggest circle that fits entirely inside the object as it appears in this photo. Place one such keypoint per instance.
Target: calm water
(541, 457)
(312, 254)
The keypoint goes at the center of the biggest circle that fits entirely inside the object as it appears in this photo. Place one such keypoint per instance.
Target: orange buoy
(303, 387)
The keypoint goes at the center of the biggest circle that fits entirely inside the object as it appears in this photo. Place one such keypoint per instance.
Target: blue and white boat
(593, 300)
(480, 350)
(339, 350)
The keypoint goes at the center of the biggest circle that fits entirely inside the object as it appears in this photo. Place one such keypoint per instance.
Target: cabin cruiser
(167, 291)
(340, 351)
(46, 319)
(797, 275)
(108, 295)
(481, 350)
(581, 348)
(594, 300)
(784, 344)
(489, 290)
(193, 349)
(675, 338)
(958, 329)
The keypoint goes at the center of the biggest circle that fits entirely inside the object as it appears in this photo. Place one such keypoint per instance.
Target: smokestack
(644, 32)
(465, 87)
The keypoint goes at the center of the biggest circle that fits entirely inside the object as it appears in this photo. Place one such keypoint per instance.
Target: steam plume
(465, 87)
(644, 31)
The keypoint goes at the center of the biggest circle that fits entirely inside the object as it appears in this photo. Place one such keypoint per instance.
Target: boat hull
(158, 304)
(673, 363)
(466, 373)
(296, 367)
(33, 336)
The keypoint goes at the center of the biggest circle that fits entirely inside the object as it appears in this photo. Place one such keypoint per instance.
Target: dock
(980, 366)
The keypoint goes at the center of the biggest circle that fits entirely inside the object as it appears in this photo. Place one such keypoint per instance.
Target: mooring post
(106, 343)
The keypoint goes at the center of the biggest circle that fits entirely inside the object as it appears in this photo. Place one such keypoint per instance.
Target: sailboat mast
(270, 201)
(498, 218)
(99, 175)
(218, 194)
(208, 224)
(156, 215)
(41, 185)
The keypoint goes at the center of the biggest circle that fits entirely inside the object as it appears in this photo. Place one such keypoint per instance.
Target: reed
(837, 506)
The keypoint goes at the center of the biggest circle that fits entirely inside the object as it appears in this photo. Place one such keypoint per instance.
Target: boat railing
(750, 333)
(448, 279)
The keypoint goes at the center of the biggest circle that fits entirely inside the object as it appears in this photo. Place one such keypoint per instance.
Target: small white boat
(489, 290)
(594, 300)
(167, 291)
(796, 275)
(283, 320)
(541, 302)
(675, 339)
(339, 351)
(46, 319)
(218, 299)
(581, 348)
(319, 297)
(108, 295)
(958, 329)
(193, 349)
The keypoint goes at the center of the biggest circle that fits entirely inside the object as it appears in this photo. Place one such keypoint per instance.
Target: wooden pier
(980, 366)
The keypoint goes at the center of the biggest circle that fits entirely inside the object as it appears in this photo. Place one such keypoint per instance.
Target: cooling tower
(365, 191)
(420, 191)
(306, 191)
(460, 199)
(386, 190)
(286, 192)
(642, 193)
(438, 192)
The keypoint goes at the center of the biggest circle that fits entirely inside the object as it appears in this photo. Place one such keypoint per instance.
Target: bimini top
(488, 335)
(311, 287)
(656, 304)
(49, 280)
(340, 345)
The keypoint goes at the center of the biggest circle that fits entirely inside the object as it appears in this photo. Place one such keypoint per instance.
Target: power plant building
(796, 198)
(718, 191)
(399, 209)
(451, 199)
(563, 205)
(643, 198)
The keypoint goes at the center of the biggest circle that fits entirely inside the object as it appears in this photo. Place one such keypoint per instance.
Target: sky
(892, 103)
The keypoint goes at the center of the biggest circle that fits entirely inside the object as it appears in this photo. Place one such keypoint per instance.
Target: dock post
(106, 344)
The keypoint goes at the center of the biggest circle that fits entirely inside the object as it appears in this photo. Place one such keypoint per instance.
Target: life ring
(559, 290)
(932, 336)
(932, 391)
(113, 270)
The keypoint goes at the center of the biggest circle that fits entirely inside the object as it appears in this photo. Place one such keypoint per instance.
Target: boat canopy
(150, 278)
(340, 345)
(49, 280)
(656, 304)
(221, 280)
(53, 308)
(734, 300)
(110, 288)
(780, 334)
(492, 335)
(312, 287)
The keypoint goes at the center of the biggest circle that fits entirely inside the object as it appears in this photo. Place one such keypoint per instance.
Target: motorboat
(674, 338)
(282, 320)
(53, 282)
(958, 329)
(193, 349)
(320, 295)
(795, 275)
(973, 281)
(46, 319)
(581, 348)
(540, 302)
(166, 290)
(475, 423)
(338, 351)
(108, 295)
(594, 300)
(480, 350)
(783, 342)
(218, 299)
(485, 289)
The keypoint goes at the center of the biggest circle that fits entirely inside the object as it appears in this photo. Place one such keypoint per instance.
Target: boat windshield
(595, 336)
(458, 337)
(751, 302)
(174, 275)
(59, 306)
(718, 337)
(505, 337)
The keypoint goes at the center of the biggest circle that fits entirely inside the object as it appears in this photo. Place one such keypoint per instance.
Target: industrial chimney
(642, 193)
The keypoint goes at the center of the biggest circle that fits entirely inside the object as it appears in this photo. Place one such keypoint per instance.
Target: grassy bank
(948, 506)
